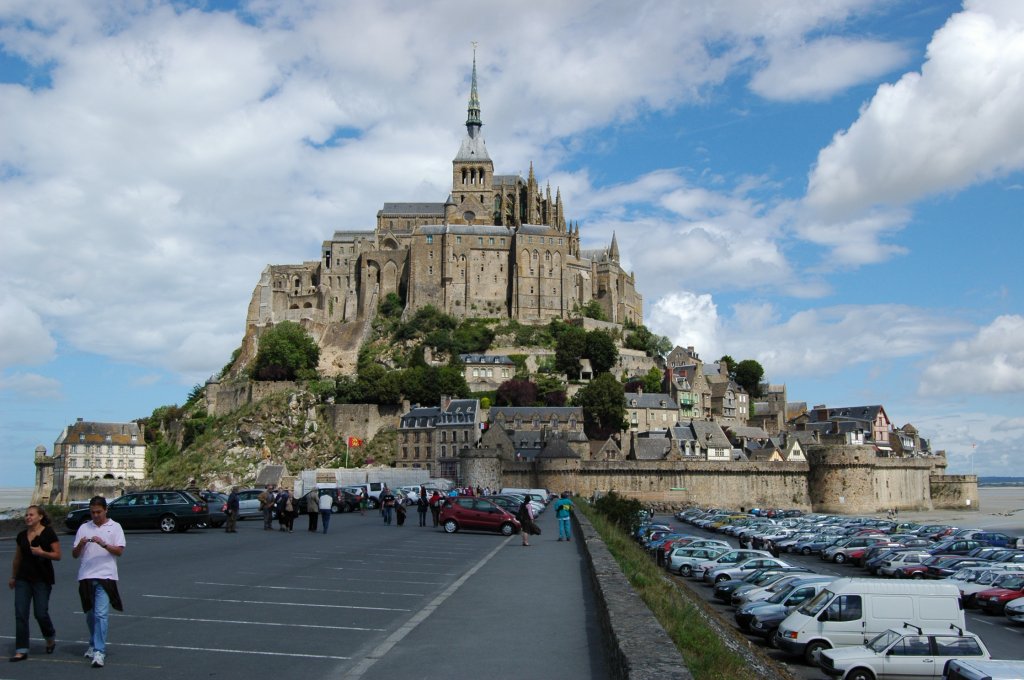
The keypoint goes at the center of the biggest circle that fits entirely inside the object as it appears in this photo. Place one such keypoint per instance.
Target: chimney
(639, 389)
(446, 399)
(80, 419)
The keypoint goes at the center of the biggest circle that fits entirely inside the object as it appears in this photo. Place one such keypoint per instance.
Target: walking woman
(422, 505)
(525, 517)
(435, 507)
(32, 579)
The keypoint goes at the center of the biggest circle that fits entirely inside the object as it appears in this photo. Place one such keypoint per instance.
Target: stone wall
(954, 492)
(84, 489)
(852, 479)
(226, 397)
(362, 420)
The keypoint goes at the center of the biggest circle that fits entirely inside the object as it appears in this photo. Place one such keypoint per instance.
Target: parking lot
(1002, 638)
(361, 601)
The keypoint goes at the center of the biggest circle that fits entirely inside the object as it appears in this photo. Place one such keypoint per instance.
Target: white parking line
(315, 590)
(244, 623)
(382, 649)
(218, 650)
(372, 580)
(392, 571)
(278, 604)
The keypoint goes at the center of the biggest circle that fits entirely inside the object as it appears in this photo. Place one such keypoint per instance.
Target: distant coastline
(1000, 481)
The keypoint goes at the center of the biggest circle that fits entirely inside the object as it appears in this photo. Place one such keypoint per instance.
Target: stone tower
(472, 200)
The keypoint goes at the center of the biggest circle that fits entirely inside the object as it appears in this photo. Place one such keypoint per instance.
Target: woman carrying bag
(525, 517)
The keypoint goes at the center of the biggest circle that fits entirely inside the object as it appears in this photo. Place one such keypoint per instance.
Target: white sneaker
(89, 652)
(97, 660)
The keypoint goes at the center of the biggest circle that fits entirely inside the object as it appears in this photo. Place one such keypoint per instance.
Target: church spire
(473, 121)
(613, 252)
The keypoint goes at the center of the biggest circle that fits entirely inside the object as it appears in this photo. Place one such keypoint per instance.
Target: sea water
(14, 500)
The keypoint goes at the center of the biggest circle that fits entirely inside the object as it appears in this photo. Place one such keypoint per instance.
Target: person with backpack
(525, 517)
(267, 500)
(563, 511)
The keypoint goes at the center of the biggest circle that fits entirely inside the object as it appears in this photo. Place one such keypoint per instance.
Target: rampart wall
(845, 479)
(362, 420)
(225, 397)
(954, 492)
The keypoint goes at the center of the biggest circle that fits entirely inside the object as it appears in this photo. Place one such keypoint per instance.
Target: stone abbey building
(499, 246)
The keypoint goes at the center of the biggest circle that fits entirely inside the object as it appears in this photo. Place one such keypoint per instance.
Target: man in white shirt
(98, 543)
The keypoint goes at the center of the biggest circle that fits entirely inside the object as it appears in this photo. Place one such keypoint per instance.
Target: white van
(851, 611)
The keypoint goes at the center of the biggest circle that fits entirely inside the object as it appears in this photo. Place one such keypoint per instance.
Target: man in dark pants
(267, 507)
(232, 511)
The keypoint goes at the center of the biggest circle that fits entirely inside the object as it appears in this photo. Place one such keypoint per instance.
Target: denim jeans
(97, 619)
(387, 510)
(564, 528)
(36, 593)
(325, 518)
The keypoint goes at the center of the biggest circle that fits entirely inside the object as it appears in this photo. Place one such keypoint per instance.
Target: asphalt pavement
(364, 600)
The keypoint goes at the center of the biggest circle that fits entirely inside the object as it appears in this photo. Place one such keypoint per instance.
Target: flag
(355, 441)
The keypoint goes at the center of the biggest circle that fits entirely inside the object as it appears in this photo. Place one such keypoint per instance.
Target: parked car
(840, 552)
(1015, 610)
(683, 560)
(477, 513)
(341, 500)
(777, 607)
(893, 566)
(217, 503)
(164, 509)
(249, 503)
(731, 571)
(907, 653)
(994, 600)
(728, 559)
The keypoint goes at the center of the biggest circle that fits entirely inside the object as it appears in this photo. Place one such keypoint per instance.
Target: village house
(432, 437)
(650, 411)
(486, 372)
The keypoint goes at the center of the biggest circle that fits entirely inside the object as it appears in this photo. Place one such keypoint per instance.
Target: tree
(571, 345)
(748, 376)
(285, 350)
(516, 392)
(601, 350)
(653, 380)
(604, 406)
(550, 390)
(641, 338)
(730, 364)
(594, 310)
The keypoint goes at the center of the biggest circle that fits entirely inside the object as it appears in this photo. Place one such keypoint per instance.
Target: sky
(835, 189)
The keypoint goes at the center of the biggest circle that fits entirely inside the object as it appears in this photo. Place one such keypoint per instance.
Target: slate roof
(557, 448)
(651, 448)
(683, 433)
(472, 149)
(102, 433)
(471, 229)
(460, 412)
(420, 416)
(650, 400)
(536, 229)
(485, 359)
(709, 434)
(868, 413)
(410, 209)
(748, 432)
(543, 413)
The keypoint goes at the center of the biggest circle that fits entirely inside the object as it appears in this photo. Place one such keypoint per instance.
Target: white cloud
(23, 337)
(990, 362)
(955, 123)
(821, 68)
(827, 340)
(687, 319)
(31, 385)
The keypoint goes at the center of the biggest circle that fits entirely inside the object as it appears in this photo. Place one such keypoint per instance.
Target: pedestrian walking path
(525, 612)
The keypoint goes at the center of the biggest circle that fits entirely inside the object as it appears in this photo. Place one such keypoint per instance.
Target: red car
(478, 514)
(993, 600)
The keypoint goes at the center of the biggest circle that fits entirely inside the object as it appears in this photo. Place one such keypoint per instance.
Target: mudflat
(1001, 509)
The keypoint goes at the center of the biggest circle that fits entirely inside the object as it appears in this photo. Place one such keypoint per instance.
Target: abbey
(499, 246)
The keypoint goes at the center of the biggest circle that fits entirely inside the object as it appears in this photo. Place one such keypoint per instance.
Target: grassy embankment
(706, 655)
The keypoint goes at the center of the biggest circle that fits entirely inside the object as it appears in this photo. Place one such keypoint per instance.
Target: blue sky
(832, 188)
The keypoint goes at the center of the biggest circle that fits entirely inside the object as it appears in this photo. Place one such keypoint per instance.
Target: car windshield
(780, 597)
(1011, 582)
(816, 603)
(881, 641)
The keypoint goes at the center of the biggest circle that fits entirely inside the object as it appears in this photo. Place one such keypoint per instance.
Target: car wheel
(168, 524)
(805, 551)
(812, 649)
(373, 504)
(507, 529)
(451, 526)
(771, 638)
(839, 558)
(720, 578)
(686, 570)
(335, 509)
(917, 575)
(860, 674)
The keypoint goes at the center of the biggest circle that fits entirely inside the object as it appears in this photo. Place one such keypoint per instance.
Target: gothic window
(297, 282)
(430, 239)
(479, 240)
(490, 241)
(547, 256)
(458, 240)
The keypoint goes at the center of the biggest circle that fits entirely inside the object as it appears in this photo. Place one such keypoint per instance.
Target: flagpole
(346, 451)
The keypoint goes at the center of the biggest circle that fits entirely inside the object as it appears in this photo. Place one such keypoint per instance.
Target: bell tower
(472, 169)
